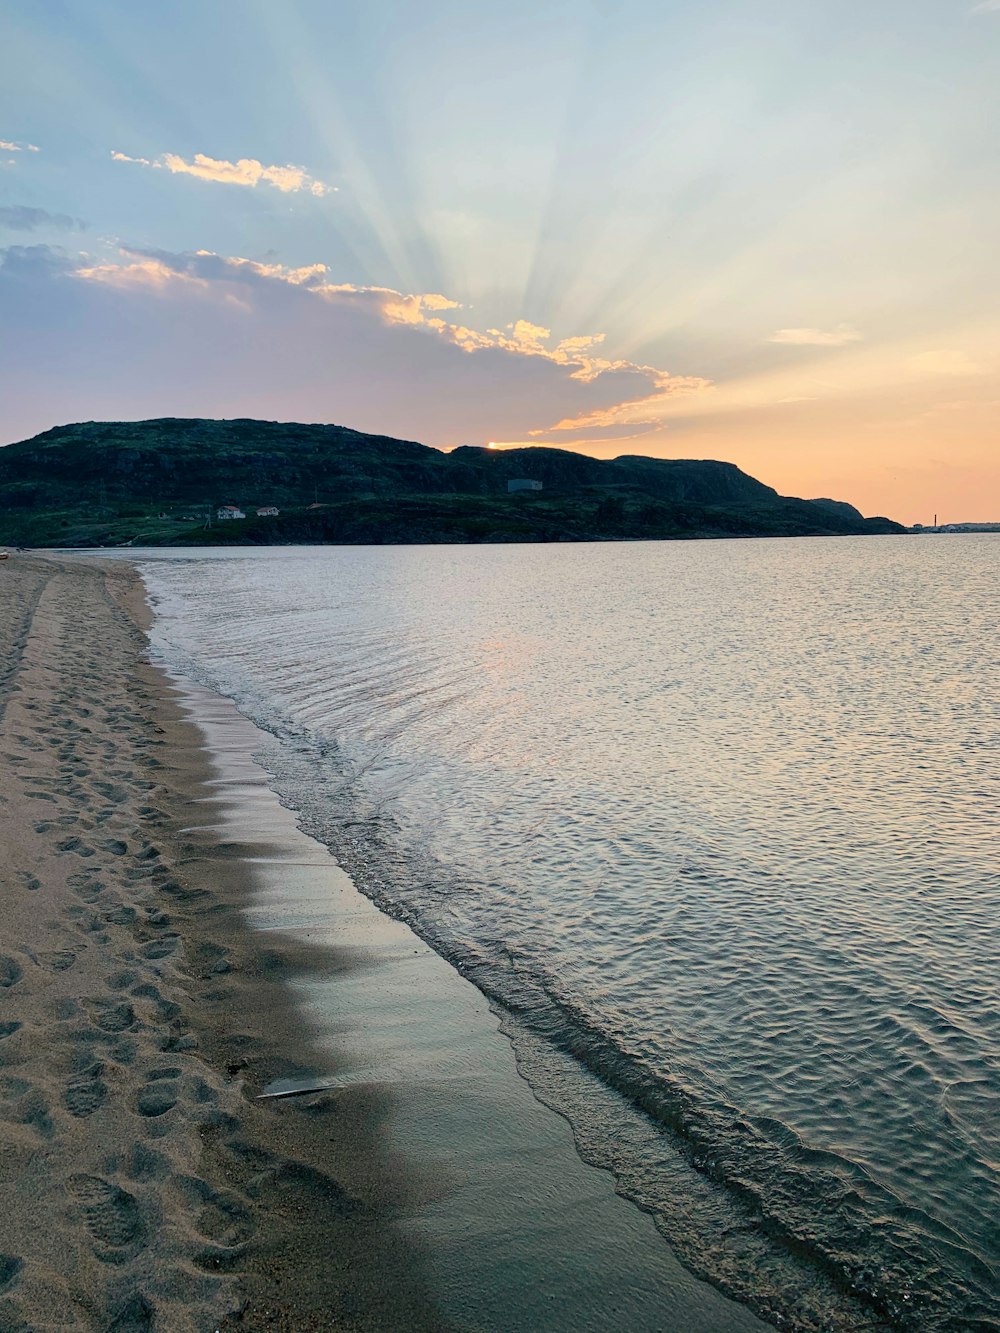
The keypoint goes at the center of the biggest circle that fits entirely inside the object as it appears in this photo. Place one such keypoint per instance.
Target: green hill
(160, 483)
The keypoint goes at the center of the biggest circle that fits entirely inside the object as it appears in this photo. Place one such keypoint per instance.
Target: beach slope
(143, 1185)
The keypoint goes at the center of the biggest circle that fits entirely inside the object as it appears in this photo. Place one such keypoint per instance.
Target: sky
(764, 231)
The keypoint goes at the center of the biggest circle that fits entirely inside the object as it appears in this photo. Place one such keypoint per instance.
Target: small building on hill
(523, 484)
(225, 512)
(267, 511)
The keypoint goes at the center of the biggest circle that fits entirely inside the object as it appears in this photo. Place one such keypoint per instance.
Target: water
(713, 824)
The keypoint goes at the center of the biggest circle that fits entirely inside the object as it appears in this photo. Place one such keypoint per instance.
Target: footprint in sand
(111, 1215)
(145, 1163)
(60, 960)
(10, 1267)
(222, 1218)
(123, 1050)
(86, 1094)
(280, 1180)
(76, 845)
(11, 971)
(111, 792)
(111, 1017)
(90, 891)
(165, 1009)
(164, 947)
(135, 1316)
(91, 923)
(28, 881)
(22, 1104)
(122, 980)
(143, 872)
(160, 1094)
(122, 916)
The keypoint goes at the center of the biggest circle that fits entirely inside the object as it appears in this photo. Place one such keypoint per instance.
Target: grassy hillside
(159, 483)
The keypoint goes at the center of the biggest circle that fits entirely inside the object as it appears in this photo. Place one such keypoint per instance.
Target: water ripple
(714, 826)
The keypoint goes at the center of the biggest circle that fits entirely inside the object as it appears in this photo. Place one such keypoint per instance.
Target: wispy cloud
(247, 171)
(226, 275)
(839, 336)
(394, 361)
(11, 146)
(19, 217)
(987, 7)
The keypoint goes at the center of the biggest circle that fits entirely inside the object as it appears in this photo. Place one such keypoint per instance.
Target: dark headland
(162, 482)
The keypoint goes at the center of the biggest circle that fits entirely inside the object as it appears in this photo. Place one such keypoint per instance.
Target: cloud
(527, 335)
(247, 171)
(987, 7)
(18, 217)
(50, 257)
(10, 146)
(836, 337)
(569, 435)
(643, 412)
(151, 332)
(227, 276)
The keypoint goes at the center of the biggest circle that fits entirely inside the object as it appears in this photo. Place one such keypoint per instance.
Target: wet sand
(171, 947)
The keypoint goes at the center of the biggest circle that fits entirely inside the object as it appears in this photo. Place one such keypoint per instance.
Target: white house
(523, 484)
(229, 511)
(267, 511)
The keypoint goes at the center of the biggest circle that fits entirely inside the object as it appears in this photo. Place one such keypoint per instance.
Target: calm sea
(714, 825)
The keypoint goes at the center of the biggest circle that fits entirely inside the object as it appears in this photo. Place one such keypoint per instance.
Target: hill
(160, 482)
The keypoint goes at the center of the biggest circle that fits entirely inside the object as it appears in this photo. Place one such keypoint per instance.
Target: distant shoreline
(170, 482)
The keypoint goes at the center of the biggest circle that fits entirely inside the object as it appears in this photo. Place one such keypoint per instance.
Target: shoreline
(346, 1207)
(143, 1185)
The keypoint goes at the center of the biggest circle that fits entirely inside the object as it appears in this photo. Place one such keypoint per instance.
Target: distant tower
(935, 520)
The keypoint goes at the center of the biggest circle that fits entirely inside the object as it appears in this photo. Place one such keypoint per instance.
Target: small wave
(821, 1243)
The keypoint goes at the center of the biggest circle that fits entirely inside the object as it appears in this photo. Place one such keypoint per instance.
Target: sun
(493, 445)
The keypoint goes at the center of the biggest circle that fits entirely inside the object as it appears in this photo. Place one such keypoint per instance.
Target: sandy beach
(142, 1185)
(172, 945)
